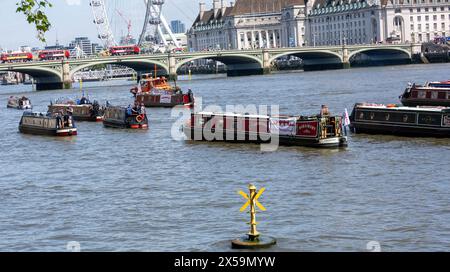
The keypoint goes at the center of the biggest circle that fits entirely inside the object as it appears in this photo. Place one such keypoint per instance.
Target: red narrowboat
(311, 131)
(157, 92)
(431, 94)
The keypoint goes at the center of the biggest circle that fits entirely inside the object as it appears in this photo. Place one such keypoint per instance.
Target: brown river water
(119, 190)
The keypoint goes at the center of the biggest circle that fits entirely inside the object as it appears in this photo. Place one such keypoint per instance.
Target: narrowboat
(122, 117)
(399, 120)
(20, 103)
(157, 92)
(81, 110)
(311, 131)
(47, 124)
(432, 94)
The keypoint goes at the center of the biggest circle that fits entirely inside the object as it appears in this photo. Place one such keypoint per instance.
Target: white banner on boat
(283, 126)
(166, 99)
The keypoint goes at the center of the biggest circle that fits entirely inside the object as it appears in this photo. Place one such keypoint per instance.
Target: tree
(34, 12)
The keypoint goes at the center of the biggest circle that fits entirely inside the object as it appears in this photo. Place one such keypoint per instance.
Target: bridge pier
(47, 86)
(67, 80)
(246, 69)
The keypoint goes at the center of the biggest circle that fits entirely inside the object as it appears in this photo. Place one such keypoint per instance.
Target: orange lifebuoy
(391, 106)
(140, 118)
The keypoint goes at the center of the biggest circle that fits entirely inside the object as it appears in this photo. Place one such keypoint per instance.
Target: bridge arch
(382, 50)
(313, 59)
(309, 55)
(229, 60)
(140, 65)
(39, 73)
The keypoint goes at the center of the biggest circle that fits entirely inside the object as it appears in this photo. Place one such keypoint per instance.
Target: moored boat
(312, 131)
(432, 94)
(157, 92)
(122, 117)
(399, 120)
(20, 103)
(47, 124)
(81, 110)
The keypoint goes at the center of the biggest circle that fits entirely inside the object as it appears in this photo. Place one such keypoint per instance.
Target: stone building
(373, 21)
(250, 24)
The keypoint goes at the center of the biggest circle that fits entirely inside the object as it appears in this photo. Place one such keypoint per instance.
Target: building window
(427, 18)
(419, 18)
(411, 18)
(412, 27)
(434, 17)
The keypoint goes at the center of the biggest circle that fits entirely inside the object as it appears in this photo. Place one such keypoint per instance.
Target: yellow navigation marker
(252, 201)
(253, 239)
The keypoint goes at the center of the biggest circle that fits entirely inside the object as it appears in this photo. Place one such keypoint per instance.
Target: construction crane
(128, 38)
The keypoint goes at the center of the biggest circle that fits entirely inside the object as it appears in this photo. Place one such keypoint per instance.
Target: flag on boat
(346, 118)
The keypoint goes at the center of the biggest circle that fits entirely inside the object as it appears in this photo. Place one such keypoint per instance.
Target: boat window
(441, 95)
(434, 95)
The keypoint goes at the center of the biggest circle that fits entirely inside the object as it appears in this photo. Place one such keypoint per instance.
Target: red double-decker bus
(54, 54)
(16, 57)
(124, 50)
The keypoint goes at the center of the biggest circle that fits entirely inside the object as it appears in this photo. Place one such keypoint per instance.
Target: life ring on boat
(140, 118)
(391, 106)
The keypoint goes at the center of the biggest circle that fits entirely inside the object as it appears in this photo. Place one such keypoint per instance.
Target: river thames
(120, 190)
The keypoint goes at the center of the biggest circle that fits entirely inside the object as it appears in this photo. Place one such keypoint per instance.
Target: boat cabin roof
(231, 114)
(402, 108)
(255, 116)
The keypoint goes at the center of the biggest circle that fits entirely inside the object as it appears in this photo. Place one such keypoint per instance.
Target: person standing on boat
(191, 96)
(129, 110)
(324, 112)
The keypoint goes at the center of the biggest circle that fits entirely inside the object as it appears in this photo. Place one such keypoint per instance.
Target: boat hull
(19, 107)
(401, 121)
(408, 131)
(156, 101)
(196, 134)
(425, 102)
(48, 132)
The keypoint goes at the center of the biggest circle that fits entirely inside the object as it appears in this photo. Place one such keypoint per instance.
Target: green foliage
(34, 12)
